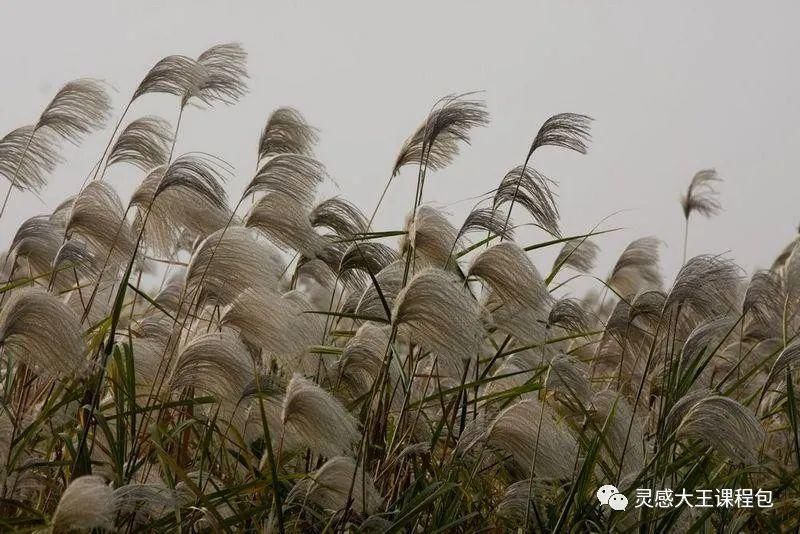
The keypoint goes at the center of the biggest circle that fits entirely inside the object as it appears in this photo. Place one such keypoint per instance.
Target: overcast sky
(674, 88)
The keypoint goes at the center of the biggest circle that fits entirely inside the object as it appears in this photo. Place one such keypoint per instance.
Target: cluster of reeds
(275, 363)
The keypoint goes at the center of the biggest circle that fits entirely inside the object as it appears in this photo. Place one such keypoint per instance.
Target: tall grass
(280, 365)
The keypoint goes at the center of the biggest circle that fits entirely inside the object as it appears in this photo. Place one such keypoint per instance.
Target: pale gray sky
(674, 88)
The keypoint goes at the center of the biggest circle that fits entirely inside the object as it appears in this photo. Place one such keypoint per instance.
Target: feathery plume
(787, 359)
(701, 197)
(707, 284)
(435, 143)
(725, 425)
(98, 219)
(431, 236)
(317, 420)
(285, 222)
(704, 338)
(329, 486)
(547, 450)
(569, 379)
(75, 256)
(144, 143)
(517, 299)
(37, 241)
(27, 156)
(369, 257)
(286, 132)
(569, 315)
(174, 75)
(637, 268)
(230, 261)
(87, 503)
(530, 188)
(442, 315)
(78, 108)
(187, 200)
(763, 301)
(224, 73)
(145, 501)
(578, 254)
(294, 175)
(511, 275)
(390, 282)
(488, 220)
(217, 363)
(277, 324)
(565, 130)
(40, 330)
(338, 215)
(519, 498)
(624, 435)
(362, 359)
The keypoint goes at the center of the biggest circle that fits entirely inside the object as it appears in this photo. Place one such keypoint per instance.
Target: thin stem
(685, 238)
(16, 172)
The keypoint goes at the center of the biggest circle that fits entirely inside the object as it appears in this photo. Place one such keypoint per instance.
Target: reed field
(197, 358)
